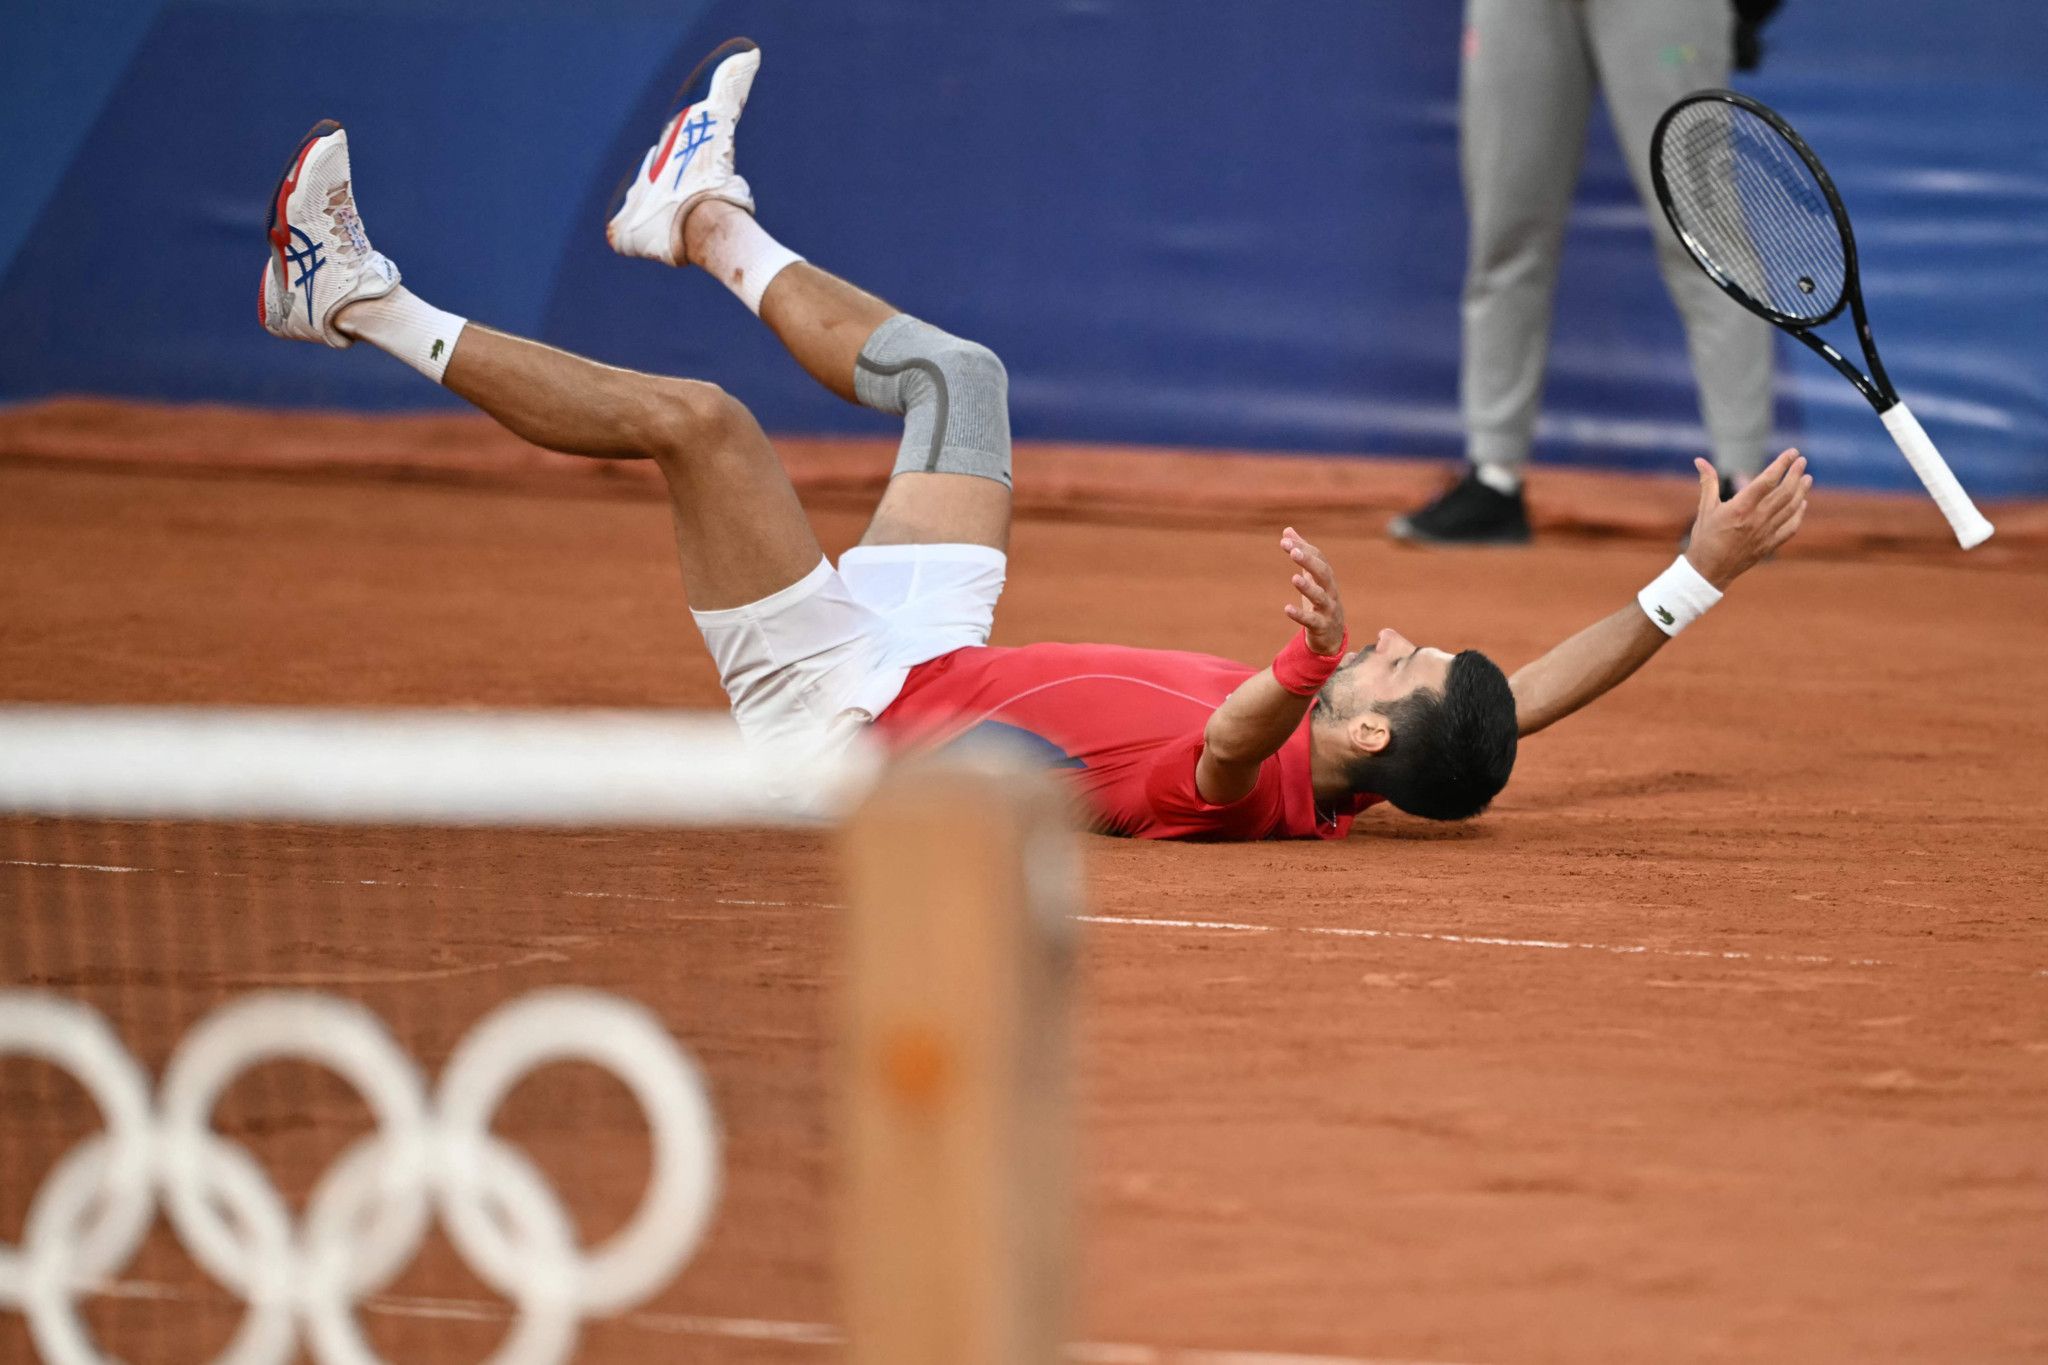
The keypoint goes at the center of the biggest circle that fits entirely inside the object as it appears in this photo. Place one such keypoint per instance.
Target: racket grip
(1964, 519)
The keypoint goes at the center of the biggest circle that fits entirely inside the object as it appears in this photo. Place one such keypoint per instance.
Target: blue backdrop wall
(1180, 221)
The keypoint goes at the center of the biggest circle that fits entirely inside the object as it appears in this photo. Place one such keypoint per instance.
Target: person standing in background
(1526, 88)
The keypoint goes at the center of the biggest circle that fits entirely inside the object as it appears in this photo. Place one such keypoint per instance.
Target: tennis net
(519, 1036)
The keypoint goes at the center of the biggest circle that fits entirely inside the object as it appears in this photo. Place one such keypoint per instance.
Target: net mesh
(487, 1067)
(1752, 210)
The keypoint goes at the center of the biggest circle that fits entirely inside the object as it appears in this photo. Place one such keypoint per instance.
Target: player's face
(1390, 668)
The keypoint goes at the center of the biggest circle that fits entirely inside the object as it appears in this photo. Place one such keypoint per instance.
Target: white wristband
(1677, 597)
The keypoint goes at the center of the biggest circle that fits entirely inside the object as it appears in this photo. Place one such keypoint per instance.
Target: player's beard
(1323, 708)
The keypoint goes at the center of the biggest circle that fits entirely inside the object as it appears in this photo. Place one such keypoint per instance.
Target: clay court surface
(1724, 1036)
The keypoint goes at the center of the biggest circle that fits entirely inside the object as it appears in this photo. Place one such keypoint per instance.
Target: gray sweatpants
(1530, 70)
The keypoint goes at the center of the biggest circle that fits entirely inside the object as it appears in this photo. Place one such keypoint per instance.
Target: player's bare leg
(822, 319)
(827, 324)
(740, 532)
(686, 204)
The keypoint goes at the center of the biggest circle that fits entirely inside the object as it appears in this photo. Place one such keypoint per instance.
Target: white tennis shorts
(832, 649)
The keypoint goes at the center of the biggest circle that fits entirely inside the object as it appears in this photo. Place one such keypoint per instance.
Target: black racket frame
(1877, 385)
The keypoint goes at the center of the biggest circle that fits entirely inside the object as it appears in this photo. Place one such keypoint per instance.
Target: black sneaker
(1469, 513)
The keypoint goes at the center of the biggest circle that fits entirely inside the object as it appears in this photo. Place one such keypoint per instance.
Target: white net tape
(443, 768)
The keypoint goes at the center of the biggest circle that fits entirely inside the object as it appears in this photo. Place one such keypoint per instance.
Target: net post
(955, 1091)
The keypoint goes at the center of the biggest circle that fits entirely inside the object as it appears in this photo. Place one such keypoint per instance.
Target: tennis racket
(1756, 209)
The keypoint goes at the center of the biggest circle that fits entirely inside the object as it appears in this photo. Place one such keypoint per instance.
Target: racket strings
(1755, 210)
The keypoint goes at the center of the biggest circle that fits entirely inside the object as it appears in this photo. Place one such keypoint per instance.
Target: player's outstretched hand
(1321, 612)
(1730, 538)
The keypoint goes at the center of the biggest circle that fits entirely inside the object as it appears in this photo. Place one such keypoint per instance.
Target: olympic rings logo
(370, 1209)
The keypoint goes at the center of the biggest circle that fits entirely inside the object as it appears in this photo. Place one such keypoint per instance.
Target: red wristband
(1301, 670)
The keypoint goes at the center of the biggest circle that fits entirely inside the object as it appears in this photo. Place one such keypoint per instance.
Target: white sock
(1500, 478)
(740, 254)
(404, 325)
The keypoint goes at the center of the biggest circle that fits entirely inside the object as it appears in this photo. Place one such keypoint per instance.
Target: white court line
(1484, 940)
(91, 867)
(395, 977)
(766, 1329)
(1122, 921)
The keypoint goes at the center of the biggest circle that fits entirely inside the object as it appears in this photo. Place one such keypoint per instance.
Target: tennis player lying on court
(1161, 744)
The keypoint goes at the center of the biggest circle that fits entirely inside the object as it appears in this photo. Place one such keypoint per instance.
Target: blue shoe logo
(309, 260)
(696, 132)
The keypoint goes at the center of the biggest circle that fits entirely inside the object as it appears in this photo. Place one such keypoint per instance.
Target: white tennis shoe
(320, 256)
(691, 161)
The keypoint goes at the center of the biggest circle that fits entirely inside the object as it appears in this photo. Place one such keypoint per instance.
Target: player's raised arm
(1256, 720)
(1728, 539)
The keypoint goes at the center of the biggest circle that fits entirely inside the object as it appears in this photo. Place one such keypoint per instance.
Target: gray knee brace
(953, 395)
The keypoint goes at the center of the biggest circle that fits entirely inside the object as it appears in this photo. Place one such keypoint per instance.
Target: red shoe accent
(280, 231)
(667, 144)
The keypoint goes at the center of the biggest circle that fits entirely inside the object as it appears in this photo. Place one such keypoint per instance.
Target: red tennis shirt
(1128, 724)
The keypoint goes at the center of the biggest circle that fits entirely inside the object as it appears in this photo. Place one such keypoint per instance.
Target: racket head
(1755, 208)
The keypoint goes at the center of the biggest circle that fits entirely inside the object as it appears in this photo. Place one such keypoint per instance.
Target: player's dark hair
(1448, 753)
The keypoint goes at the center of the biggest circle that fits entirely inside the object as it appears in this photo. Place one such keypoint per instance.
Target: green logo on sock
(435, 354)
